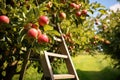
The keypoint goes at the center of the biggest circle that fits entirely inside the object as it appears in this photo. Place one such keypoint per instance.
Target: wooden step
(56, 55)
(64, 76)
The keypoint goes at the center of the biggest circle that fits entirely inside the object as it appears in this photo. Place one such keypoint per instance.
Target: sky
(110, 4)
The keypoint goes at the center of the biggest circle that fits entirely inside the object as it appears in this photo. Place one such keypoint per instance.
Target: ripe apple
(78, 13)
(4, 19)
(77, 7)
(34, 26)
(73, 5)
(43, 20)
(62, 15)
(33, 32)
(84, 12)
(43, 38)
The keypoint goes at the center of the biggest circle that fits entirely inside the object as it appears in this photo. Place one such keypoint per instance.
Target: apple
(77, 6)
(107, 42)
(34, 26)
(84, 12)
(62, 15)
(73, 5)
(33, 32)
(78, 13)
(28, 26)
(49, 4)
(43, 38)
(43, 20)
(4, 19)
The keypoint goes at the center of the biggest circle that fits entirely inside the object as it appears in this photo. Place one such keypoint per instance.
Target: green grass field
(95, 68)
(88, 68)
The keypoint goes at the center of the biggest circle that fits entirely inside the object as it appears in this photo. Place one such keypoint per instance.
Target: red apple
(4, 19)
(84, 12)
(73, 5)
(33, 32)
(43, 20)
(34, 26)
(43, 38)
(78, 13)
(77, 7)
(62, 15)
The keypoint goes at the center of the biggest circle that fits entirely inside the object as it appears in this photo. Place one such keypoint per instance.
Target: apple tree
(28, 27)
(109, 29)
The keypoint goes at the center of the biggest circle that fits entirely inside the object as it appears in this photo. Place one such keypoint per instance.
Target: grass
(88, 68)
(95, 68)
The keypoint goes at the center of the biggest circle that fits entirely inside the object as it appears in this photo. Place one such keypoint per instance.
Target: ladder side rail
(64, 50)
(47, 69)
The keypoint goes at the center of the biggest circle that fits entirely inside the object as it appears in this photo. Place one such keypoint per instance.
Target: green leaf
(48, 28)
(54, 32)
(102, 11)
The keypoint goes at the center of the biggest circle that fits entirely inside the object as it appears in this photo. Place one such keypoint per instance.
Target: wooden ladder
(47, 69)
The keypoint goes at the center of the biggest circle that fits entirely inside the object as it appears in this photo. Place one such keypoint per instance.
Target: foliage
(109, 29)
(16, 45)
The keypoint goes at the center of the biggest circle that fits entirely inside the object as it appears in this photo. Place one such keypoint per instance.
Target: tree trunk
(24, 66)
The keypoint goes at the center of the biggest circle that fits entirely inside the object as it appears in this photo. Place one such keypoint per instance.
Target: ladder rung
(64, 76)
(56, 55)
